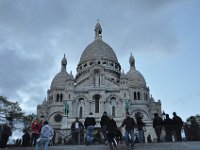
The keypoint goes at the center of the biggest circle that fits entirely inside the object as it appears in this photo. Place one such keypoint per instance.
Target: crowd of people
(42, 132)
(112, 134)
(41, 135)
(172, 127)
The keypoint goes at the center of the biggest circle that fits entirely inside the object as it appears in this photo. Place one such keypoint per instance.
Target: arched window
(57, 98)
(138, 95)
(135, 96)
(97, 78)
(113, 111)
(113, 99)
(96, 105)
(96, 100)
(81, 112)
(61, 97)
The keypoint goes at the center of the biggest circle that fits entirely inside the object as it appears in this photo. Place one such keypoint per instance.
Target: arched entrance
(97, 98)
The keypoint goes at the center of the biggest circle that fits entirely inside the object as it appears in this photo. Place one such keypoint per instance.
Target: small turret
(98, 30)
(63, 64)
(132, 62)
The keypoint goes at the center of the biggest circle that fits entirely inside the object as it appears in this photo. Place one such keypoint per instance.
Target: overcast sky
(163, 36)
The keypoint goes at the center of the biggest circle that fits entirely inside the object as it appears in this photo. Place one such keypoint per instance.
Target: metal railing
(66, 136)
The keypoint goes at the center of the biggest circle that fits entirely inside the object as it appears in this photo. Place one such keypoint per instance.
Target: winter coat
(90, 120)
(104, 120)
(129, 123)
(157, 121)
(80, 125)
(140, 123)
(111, 126)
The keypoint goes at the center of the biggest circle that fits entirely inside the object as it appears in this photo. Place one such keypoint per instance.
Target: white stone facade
(99, 85)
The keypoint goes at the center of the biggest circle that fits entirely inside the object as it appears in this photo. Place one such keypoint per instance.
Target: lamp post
(163, 115)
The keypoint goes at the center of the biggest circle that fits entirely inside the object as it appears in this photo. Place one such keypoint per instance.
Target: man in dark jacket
(178, 123)
(26, 138)
(168, 124)
(89, 126)
(77, 130)
(129, 123)
(6, 132)
(112, 129)
(140, 126)
(103, 123)
(157, 125)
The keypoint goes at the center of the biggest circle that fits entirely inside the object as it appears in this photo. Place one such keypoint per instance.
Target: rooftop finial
(98, 30)
(132, 61)
(63, 63)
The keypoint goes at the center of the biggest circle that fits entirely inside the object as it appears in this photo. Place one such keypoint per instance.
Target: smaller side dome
(134, 76)
(71, 77)
(123, 75)
(59, 80)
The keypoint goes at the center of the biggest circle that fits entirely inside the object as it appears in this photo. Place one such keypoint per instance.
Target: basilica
(100, 84)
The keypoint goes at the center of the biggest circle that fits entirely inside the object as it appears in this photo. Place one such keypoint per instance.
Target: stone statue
(66, 109)
(127, 105)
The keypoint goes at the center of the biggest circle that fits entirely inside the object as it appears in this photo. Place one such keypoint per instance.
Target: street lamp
(163, 115)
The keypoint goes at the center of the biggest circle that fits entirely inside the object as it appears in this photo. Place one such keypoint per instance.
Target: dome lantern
(63, 64)
(98, 30)
(132, 61)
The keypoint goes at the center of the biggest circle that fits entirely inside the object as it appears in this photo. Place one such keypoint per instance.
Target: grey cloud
(35, 34)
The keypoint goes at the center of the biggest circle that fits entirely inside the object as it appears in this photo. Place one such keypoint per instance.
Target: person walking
(103, 123)
(111, 130)
(129, 124)
(140, 126)
(35, 132)
(89, 126)
(157, 125)
(168, 125)
(45, 134)
(177, 123)
(26, 138)
(1, 129)
(6, 132)
(77, 131)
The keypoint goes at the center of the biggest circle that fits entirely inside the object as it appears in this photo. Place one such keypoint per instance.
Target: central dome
(98, 49)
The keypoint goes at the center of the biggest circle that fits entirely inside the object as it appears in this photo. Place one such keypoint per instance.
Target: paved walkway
(146, 146)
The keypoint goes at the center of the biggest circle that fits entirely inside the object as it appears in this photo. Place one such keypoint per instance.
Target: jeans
(140, 135)
(158, 132)
(104, 129)
(34, 137)
(44, 141)
(89, 136)
(131, 133)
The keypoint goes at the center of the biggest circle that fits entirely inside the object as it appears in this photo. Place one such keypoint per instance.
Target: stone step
(142, 146)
